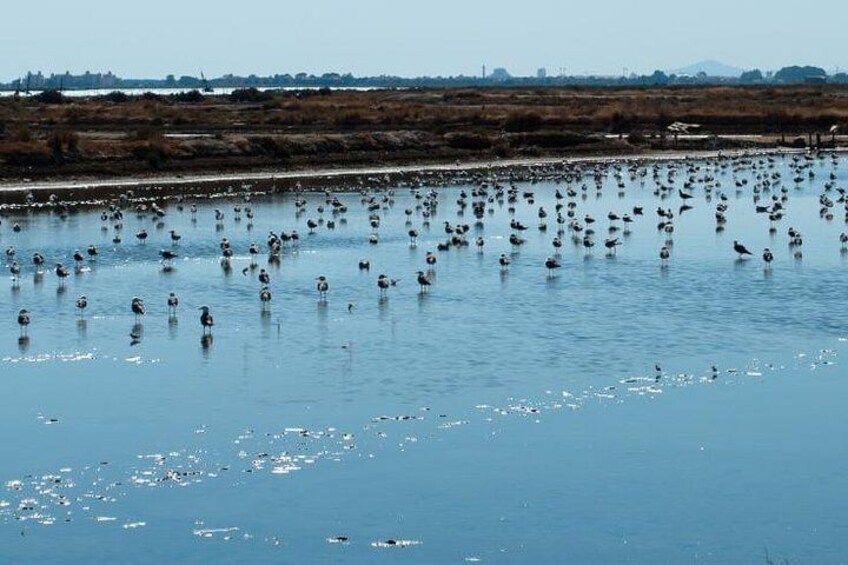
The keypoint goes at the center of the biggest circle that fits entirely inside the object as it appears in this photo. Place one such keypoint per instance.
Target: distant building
(500, 74)
(542, 73)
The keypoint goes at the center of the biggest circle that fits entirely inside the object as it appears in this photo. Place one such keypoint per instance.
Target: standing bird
(206, 320)
(23, 321)
(768, 257)
(323, 286)
(740, 249)
(504, 261)
(383, 283)
(264, 277)
(137, 307)
(265, 297)
(82, 304)
(92, 252)
(552, 264)
(173, 302)
(141, 236)
(38, 261)
(15, 269)
(664, 255)
(62, 273)
(430, 258)
(423, 281)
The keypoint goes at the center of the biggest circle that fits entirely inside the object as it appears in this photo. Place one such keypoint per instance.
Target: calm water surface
(503, 416)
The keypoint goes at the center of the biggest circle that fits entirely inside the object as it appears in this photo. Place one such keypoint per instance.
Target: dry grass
(311, 127)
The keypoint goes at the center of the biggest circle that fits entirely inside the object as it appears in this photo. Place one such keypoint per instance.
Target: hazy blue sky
(151, 38)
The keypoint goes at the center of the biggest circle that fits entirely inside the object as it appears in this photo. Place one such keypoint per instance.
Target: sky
(153, 38)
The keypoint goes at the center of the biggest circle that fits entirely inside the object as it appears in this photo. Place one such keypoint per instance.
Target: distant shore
(200, 185)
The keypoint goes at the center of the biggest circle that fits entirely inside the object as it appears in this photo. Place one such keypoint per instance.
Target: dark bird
(82, 304)
(23, 321)
(740, 249)
(423, 281)
(137, 307)
(206, 320)
(323, 286)
(62, 273)
(552, 264)
(173, 302)
(768, 257)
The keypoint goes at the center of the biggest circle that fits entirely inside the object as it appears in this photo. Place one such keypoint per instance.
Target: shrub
(50, 96)
(251, 95)
(522, 121)
(189, 97)
(117, 97)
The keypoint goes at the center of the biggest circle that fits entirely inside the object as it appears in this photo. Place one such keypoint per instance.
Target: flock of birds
(681, 179)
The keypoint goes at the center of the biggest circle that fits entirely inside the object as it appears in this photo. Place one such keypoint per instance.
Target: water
(501, 416)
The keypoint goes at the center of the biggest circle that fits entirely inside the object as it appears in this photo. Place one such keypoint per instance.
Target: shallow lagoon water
(501, 416)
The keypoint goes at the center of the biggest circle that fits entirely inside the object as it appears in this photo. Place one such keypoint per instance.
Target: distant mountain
(711, 68)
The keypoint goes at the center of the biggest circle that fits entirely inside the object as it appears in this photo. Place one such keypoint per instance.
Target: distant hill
(711, 68)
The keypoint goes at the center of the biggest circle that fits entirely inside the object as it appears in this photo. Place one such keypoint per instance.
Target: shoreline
(90, 190)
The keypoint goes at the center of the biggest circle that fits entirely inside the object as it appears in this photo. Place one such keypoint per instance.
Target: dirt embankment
(118, 136)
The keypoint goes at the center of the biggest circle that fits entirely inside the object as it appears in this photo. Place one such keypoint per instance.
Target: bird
(768, 257)
(323, 286)
(137, 307)
(15, 269)
(264, 277)
(173, 302)
(740, 249)
(206, 320)
(38, 261)
(664, 254)
(61, 272)
(611, 245)
(552, 264)
(82, 304)
(23, 321)
(141, 236)
(265, 297)
(92, 252)
(423, 281)
(383, 283)
(504, 261)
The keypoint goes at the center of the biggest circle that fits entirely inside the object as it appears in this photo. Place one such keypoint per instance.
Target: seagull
(504, 261)
(423, 281)
(137, 307)
(23, 321)
(664, 254)
(323, 286)
(265, 297)
(740, 249)
(206, 320)
(383, 284)
(38, 261)
(15, 269)
(82, 304)
(62, 273)
(552, 264)
(768, 257)
(173, 302)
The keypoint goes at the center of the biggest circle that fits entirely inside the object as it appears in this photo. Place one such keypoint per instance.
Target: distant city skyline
(440, 38)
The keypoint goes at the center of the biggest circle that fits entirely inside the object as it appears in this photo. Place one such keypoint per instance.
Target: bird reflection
(136, 333)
